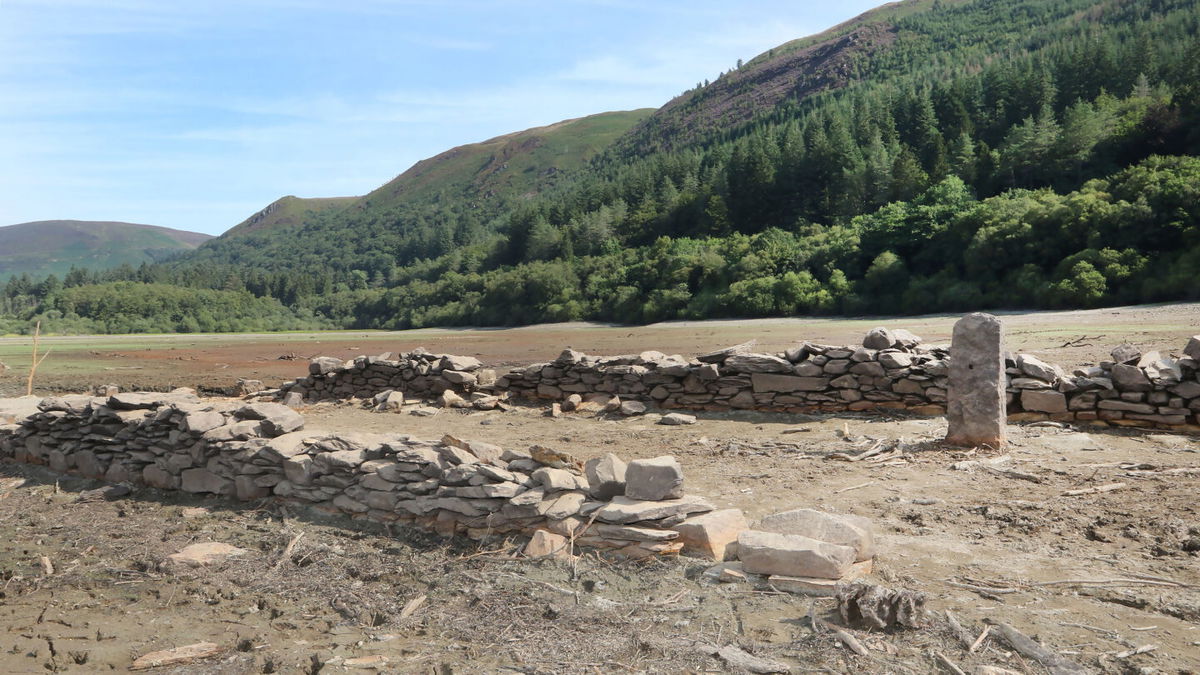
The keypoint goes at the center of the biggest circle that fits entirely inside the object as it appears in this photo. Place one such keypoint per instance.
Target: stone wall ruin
(889, 370)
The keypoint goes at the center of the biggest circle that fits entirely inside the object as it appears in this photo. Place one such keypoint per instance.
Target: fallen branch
(948, 664)
(959, 632)
(1027, 647)
(1134, 652)
(1113, 582)
(1094, 490)
(1010, 473)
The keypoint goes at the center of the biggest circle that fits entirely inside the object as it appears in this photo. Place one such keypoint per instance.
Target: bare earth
(215, 362)
(1091, 576)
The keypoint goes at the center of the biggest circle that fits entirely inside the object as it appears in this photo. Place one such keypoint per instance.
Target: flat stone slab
(840, 529)
(793, 555)
(207, 553)
(816, 587)
(709, 535)
(622, 510)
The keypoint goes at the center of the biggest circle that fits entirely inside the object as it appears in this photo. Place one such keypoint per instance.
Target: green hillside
(931, 155)
(55, 246)
(483, 177)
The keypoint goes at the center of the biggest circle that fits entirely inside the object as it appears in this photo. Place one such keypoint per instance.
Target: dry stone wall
(250, 451)
(889, 370)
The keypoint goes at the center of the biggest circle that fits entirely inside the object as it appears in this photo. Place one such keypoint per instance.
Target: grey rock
(1126, 354)
(630, 408)
(606, 476)
(276, 418)
(203, 480)
(1043, 401)
(1187, 389)
(676, 419)
(460, 363)
(623, 510)
(1127, 406)
(892, 360)
(720, 355)
(554, 480)
(976, 397)
(1036, 368)
(879, 338)
(906, 339)
(1192, 349)
(200, 422)
(1130, 378)
(767, 383)
(459, 377)
(654, 479)
(323, 365)
(757, 363)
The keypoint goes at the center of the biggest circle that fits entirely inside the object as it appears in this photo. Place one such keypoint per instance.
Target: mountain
(484, 176)
(287, 212)
(55, 246)
(930, 155)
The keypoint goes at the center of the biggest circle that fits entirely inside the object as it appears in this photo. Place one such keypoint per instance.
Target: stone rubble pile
(1134, 389)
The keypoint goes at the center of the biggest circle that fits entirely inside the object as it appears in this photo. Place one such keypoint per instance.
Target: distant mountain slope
(481, 176)
(289, 211)
(54, 246)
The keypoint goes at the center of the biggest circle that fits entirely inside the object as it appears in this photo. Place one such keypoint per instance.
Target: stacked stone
(418, 373)
(171, 441)
(251, 451)
(1133, 389)
(890, 370)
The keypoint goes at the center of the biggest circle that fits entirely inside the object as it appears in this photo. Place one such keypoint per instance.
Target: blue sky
(194, 115)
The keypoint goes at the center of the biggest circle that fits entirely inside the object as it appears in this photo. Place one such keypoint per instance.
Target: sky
(197, 114)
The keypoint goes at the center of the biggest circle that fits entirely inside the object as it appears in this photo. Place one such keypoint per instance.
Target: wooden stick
(1134, 652)
(948, 664)
(979, 640)
(37, 332)
(412, 606)
(850, 641)
(1112, 582)
(287, 551)
(1094, 490)
(1009, 473)
(854, 487)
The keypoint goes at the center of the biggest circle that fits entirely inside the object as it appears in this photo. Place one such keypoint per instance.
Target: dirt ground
(1090, 576)
(214, 363)
(1093, 577)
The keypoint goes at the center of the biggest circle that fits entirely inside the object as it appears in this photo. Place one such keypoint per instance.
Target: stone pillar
(975, 405)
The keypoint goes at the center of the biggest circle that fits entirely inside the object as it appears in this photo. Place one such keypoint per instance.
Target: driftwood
(1030, 649)
(176, 656)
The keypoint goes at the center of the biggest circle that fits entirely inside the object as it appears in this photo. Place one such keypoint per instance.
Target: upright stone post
(975, 406)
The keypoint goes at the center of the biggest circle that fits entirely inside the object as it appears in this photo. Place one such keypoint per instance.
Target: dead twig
(854, 487)
(288, 550)
(850, 641)
(1134, 652)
